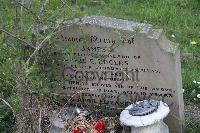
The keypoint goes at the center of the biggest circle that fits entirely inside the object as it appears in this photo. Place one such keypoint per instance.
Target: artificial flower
(100, 126)
(76, 131)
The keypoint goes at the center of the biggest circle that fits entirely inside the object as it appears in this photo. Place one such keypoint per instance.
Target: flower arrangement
(84, 122)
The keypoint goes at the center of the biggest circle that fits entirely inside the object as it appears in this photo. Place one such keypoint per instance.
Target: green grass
(180, 18)
(192, 127)
(6, 116)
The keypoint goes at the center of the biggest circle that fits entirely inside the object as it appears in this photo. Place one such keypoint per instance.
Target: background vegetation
(180, 20)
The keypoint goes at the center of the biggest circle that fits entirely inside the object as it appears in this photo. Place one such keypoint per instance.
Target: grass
(180, 20)
(6, 117)
(192, 127)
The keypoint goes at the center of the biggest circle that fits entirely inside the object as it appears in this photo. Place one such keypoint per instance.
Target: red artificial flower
(100, 126)
(76, 131)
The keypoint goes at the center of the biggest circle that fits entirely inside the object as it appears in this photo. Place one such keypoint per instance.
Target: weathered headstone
(120, 62)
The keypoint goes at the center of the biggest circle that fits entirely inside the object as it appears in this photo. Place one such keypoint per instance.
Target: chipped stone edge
(162, 41)
(155, 34)
(128, 25)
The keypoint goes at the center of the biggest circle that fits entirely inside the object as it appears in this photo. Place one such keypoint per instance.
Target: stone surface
(140, 121)
(114, 63)
(144, 108)
(160, 127)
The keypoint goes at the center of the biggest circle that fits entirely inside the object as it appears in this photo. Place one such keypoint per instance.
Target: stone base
(159, 127)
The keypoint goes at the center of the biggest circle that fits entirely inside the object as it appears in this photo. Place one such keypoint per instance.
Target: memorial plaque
(113, 63)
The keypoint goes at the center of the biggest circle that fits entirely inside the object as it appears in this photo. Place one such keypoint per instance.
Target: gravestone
(113, 63)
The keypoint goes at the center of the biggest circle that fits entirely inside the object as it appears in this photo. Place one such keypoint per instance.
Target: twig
(43, 6)
(39, 120)
(38, 48)
(16, 19)
(27, 44)
(64, 4)
(42, 43)
(29, 3)
(30, 11)
(8, 105)
(22, 13)
(33, 13)
(47, 37)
